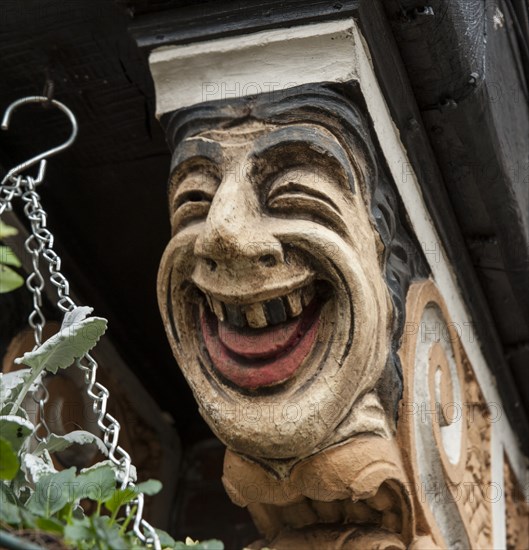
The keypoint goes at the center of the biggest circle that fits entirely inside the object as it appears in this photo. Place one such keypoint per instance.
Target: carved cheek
(175, 268)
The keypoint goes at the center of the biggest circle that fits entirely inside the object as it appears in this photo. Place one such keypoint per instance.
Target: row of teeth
(263, 314)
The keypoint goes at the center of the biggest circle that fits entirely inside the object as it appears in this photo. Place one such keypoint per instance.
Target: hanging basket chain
(34, 245)
(35, 283)
(40, 245)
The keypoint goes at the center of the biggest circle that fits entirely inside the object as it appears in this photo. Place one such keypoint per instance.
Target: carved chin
(264, 343)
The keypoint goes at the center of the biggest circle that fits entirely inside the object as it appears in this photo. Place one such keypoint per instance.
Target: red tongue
(261, 343)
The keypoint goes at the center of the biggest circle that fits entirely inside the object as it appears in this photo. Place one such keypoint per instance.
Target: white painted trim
(334, 52)
(262, 62)
(499, 508)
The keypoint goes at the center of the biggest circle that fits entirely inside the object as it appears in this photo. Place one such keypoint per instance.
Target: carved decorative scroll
(444, 426)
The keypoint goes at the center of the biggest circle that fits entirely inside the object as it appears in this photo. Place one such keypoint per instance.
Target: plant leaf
(119, 498)
(9, 465)
(60, 351)
(166, 540)
(19, 486)
(37, 466)
(78, 531)
(51, 525)
(212, 544)
(149, 487)
(28, 519)
(8, 257)
(5, 391)
(97, 483)
(9, 512)
(118, 470)
(12, 383)
(7, 230)
(9, 279)
(52, 492)
(15, 429)
(78, 512)
(57, 443)
(108, 533)
(7, 494)
(78, 314)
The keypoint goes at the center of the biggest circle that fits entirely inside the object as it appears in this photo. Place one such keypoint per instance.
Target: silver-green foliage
(33, 494)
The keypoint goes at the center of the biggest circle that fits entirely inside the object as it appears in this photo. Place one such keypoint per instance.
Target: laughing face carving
(273, 287)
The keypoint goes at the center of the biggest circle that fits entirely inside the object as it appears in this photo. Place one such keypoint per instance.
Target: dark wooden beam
(468, 69)
(209, 20)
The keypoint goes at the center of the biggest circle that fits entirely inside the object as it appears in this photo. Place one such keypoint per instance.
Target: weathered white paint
(263, 62)
(335, 51)
(429, 463)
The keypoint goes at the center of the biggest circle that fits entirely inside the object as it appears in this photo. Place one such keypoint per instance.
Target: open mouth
(264, 343)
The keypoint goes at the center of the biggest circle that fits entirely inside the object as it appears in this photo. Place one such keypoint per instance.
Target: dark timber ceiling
(106, 196)
(459, 71)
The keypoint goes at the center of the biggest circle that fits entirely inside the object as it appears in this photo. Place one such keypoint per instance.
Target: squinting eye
(285, 187)
(191, 196)
(300, 199)
(190, 206)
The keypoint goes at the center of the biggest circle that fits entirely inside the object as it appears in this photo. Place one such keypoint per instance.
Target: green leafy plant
(33, 494)
(9, 278)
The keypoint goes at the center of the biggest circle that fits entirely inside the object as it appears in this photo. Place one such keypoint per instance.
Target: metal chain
(40, 397)
(34, 245)
(9, 192)
(35, 281)
(40, 244)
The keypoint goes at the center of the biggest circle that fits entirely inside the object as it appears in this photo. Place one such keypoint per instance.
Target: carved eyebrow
(313, 139)
(199, 148)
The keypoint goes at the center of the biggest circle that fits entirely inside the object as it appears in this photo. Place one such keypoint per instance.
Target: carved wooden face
(271, 288)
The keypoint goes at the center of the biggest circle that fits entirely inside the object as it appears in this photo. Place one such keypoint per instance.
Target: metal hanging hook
(43, 156)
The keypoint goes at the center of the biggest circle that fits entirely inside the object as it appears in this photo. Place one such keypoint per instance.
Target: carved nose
(235, 232)
(238, 244)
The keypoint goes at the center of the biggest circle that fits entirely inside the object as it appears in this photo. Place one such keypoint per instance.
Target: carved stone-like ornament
(285, 294)
(444, 426)
(273, 287)
(354, 495)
